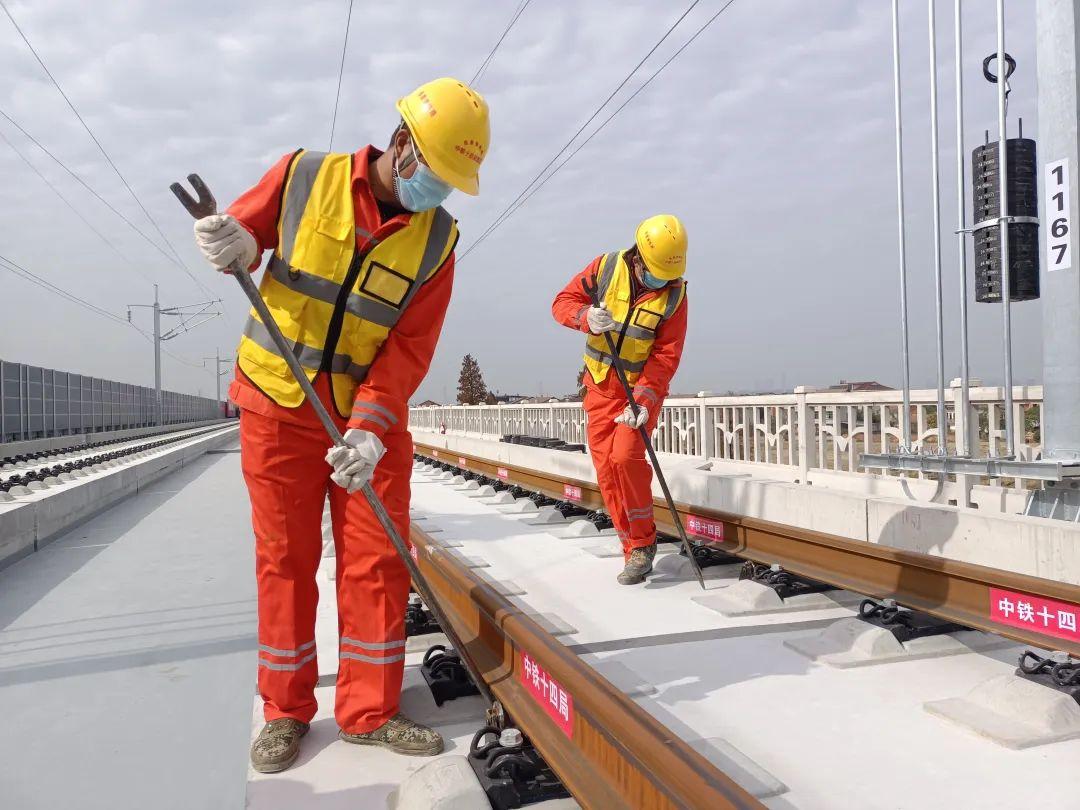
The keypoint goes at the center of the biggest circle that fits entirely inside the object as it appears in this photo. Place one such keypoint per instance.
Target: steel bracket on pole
(1039, 469)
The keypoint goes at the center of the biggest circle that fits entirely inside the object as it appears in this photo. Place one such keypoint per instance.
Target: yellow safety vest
(335, 305)
(637, 323)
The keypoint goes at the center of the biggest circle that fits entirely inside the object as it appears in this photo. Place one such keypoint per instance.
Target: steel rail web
(615, 754)
(952, 590)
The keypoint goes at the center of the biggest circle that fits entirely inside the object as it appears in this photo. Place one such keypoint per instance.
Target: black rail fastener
(903, 623)
(1056, 671)
(418, 620)
(511, 771)
(446, 675)
(570, 510)
(540, 499)
(785, 583)
(708, 555)
(600, 519)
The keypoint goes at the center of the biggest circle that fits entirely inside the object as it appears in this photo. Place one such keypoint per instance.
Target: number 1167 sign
(1058, 216)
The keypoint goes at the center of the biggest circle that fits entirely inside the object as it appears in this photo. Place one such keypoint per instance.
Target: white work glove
(600, 320)
(627, 417)
(355, 462)
(223, 240)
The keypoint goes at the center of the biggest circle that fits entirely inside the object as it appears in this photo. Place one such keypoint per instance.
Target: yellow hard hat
(448, 120)
(661, 241)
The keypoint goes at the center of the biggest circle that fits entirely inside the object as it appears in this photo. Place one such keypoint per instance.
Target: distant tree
(471, 388)
(581, 383)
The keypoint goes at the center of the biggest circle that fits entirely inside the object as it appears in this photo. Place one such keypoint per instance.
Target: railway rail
(951, 590)
(608, 751)
(19, 472)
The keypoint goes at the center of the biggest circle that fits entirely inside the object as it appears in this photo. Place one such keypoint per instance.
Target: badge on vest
(386, 285)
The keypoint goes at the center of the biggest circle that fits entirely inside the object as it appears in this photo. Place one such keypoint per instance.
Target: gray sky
(771, 136)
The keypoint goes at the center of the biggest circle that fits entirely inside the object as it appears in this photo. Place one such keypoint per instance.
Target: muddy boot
(402, 736)
(278, 745)
(638, 565)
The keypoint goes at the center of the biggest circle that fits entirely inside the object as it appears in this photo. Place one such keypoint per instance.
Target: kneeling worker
(359, 281)
(643, 305)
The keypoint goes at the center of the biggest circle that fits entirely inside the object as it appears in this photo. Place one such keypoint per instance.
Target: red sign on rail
(571, 493)
(703, 527)
(462, 462)
(503, 473)
(435, 453)
(546, 691)
(1045, 616)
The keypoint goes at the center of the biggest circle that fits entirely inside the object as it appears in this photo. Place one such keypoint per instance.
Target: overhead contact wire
(177, 259)
(582, 128)
(605, 122)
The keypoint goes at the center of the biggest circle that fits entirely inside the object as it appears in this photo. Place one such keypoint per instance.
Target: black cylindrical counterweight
(1023, 236)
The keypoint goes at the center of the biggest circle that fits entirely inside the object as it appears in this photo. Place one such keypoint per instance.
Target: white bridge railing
(806, 432)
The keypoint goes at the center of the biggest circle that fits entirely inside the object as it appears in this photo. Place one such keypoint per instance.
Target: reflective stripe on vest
(604, 357)
(296, 199)
(308, 356)
(607, 272)
(636, 322)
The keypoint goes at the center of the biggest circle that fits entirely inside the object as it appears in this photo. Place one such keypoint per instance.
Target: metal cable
(179, 261)
(498, 220)
(341, 73)
(18, 270)
(85, 185)
(70, 205)
(487, 60)
(596, 131)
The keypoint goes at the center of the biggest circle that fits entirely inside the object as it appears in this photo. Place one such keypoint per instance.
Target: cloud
(771, 135)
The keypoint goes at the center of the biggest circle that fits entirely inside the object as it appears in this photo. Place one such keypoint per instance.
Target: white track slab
(795, 732)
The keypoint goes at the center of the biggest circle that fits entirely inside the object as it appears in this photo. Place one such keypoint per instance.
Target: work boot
(638, 564)
(278, 745)
(402, 736)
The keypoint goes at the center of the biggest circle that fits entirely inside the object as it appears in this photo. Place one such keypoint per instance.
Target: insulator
(1022, 184)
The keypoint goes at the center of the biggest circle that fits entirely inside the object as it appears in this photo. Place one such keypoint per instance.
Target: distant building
(429, 403)
(851, 387)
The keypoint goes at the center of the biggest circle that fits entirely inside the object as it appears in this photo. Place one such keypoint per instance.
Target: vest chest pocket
(321, 244)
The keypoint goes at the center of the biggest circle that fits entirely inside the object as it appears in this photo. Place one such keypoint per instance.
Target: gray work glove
(627, 417)
(354, 462)
(223, 240)
(600, 320)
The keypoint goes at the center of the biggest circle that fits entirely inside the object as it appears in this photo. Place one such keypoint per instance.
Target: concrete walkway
(127, 653)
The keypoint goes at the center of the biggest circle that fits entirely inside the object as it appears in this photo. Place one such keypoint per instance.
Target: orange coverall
(618, 453)
(282, 455)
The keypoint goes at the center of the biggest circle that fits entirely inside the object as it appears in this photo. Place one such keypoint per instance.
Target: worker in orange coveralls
(643, 306)
(358, 282)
